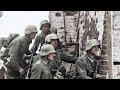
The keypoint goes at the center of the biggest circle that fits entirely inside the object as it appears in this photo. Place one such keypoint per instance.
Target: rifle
(30, 67)
(60, 73)
(96, 68)
(95, 72)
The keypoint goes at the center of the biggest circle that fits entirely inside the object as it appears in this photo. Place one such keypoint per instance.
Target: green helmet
(91, 43)
(30, 28)
(51, 36)
(53, 30)
(47, 49)
(44, 22)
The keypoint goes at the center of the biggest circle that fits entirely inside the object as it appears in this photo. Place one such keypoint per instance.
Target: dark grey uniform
(39, 39)
(85, 67)
(17, 48)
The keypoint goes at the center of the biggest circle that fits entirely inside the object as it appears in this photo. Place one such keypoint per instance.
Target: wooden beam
(109, 46)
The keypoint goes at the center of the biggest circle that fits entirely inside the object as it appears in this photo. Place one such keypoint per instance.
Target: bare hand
(21, 71)
(98, 76)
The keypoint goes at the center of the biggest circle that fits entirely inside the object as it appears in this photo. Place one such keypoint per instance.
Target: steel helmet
(49, 37)
(30, 28)
(91, 43)
(13, 36)
(47, 49)
(53, 30)
(44, 22)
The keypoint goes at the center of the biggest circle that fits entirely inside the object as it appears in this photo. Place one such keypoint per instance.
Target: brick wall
(116, 44)
(92, 24)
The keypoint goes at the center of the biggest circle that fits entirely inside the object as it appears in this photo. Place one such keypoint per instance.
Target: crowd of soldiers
(25, 63)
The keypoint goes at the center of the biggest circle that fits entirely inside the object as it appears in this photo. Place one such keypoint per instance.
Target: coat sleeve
(80, 69)
(68, 58)
(36, 72)
(99, 67)
(14, 54)
(36, 43)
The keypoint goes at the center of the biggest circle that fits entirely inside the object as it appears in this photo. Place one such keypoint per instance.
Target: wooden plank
(109, 45)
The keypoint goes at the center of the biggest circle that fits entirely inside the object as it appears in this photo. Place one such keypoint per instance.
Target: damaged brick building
(76, 27)
(116, 44)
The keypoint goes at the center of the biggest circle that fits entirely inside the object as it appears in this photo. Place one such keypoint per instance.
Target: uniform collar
(91, 60)
(44, 34)
(46, 64)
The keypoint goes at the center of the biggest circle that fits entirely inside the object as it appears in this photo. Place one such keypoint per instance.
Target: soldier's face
(32, 35)
(94, 50)
(51, 56)
(5, 44)
(45, 28)
(54, 42)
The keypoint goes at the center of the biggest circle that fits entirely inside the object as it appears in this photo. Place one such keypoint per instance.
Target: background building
(116, 44)
(78, 26)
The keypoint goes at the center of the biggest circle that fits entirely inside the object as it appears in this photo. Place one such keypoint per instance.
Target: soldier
(56, 64)
(41, 69)
(88, 65)
(40, 38)
(6, 43)
(17, 48)
(4, 53)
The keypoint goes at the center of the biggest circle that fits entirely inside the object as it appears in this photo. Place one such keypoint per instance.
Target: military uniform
(41, 70)
(55, 65)
(6, 43)
(39, 40)
(61, 56)
(85, 67)
(17, 48)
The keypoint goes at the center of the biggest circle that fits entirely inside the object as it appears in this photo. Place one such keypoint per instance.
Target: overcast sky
(16, 21)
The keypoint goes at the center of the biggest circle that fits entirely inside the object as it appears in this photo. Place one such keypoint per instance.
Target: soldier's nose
(54, 54)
